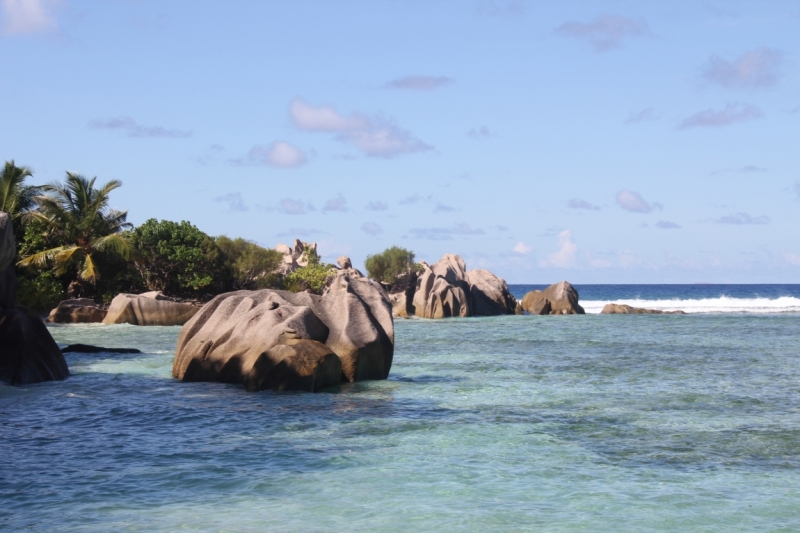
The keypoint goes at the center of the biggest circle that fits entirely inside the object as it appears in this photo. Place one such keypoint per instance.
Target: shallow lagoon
(643, 423)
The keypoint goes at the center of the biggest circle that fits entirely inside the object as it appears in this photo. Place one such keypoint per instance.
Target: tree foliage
(76, 217)
(313, 277)
(388, 265)
(16, 198)
(178, 259)
(252, 267)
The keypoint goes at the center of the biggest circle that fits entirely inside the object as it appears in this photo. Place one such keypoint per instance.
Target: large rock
(442, 290)
(8, 248)
(623, 309)
(149, 309)
(237, 337)
(490, 294)
(28, 354)
(78, 310)
(558, 299)
(401, 294)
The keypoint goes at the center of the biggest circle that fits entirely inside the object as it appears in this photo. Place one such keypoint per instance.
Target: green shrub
(179, 259)
(252, 266)
(314, 276)
(40, 290)
(389, 264)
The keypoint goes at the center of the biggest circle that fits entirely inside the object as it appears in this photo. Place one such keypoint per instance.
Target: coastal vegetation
(70, 244)
(391, 263)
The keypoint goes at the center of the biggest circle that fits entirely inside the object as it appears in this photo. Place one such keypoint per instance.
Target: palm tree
(16, 198)
(77, 214)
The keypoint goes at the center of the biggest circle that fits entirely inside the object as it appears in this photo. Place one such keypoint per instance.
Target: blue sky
(599, 142)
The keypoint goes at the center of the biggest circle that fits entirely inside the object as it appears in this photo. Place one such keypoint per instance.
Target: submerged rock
(78, 310)
(622, 309)
(28, 353)
(88, 348)
(148, 309)
(233, 339)
(558, 299)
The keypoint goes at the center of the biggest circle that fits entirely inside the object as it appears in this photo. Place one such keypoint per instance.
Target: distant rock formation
(558, 299)
(622, 309)
(28, 353)
(78, 310)
(271, 339)
(293, 256)
(148, 309)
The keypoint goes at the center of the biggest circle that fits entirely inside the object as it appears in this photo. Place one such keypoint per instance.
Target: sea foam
(723, 304)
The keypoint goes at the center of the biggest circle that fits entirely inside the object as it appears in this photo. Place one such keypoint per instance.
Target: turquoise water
(521, 423)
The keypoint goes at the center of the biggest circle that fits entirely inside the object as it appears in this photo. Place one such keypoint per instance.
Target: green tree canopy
(312, 277)
(389, 264)
(76, 215)
(178, 258)
(252, 266)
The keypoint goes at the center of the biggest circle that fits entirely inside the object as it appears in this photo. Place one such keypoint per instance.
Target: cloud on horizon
(371, 228)
(234, 200)
(605, 32)
(132, 129)
(757, 69)
(577, 203)
(634, 202)
(420, 83)
(278, 154)
(566, 255)
(743, 219)
(444, 234)
(25, 17)
(374, 136)
(714, 119)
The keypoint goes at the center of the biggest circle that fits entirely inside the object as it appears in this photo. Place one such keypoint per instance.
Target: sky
(592, 141)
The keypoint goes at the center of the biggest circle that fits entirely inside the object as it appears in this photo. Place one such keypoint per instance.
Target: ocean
(516, 423)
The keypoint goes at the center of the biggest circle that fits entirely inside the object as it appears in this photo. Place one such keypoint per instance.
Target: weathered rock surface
(558, 299)
(401, 294)
(442, 290)
(28, 354)
(622, 309)
(78, 310)
(88, 348)
(490, 294)
(293, 255)
(235, 338)
(148, 309)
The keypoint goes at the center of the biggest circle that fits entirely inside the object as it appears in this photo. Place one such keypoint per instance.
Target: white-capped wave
(723, 304)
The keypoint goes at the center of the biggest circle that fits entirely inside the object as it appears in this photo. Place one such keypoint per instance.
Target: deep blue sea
(516, 423)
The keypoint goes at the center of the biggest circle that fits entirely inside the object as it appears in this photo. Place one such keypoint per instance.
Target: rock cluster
(148, 309)
(293, 256)
(28, 353)
(557, 299)
(622, 309)
(447, 289)
(78, 310)
(272, 339)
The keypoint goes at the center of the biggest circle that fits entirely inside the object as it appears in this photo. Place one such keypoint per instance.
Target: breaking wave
(723, 304)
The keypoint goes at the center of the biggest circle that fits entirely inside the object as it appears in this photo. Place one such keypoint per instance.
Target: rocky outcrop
(623, 309)
(401, 294)
(558, 299)
(28, 354)
(269, 339)
(148, 309)
(293, 255)
(448, 289)
(78, 310)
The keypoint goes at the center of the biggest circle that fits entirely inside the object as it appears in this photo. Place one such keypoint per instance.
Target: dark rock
(28, 354)
(88, 348)
(562, 299)
(490, 294)
(622, 309)
(401, 294)
(8, 288)
(298, 365)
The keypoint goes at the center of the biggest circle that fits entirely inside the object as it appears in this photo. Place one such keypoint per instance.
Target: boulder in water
(442, 290)
(148, 309)
(622, 309)
(558, 299)
(88, 348)
(490, 294)
(77, 310)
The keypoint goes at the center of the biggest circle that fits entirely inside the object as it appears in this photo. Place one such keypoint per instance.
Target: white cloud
(21, 17)
(711, 118)
(632, 201)
(370, 228)
(567, 252)
(376, 136)
(420, 83)
(758, 68)
(522, 248)
(336, 204)
(279, 154)
(606, 31)
(479, 133)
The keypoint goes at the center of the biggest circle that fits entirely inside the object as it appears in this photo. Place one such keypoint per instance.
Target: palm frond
(89, 271)
(41, 259)
(115, 242)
